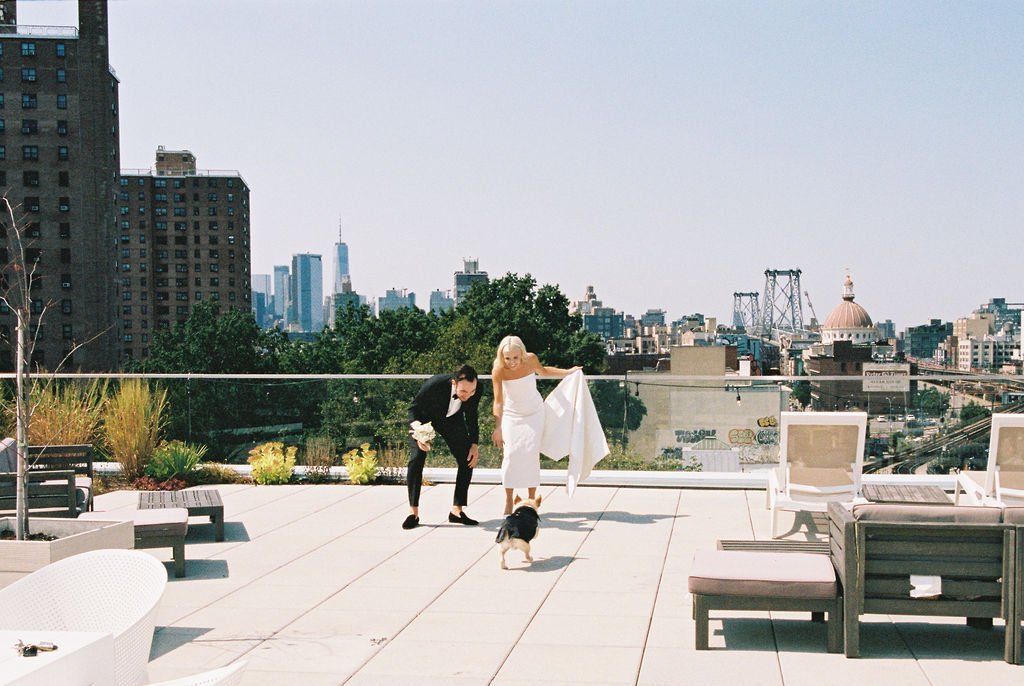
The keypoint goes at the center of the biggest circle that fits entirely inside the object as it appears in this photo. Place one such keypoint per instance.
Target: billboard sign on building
(886, 377)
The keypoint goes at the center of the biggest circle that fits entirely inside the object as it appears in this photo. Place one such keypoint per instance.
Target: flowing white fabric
(571, 427)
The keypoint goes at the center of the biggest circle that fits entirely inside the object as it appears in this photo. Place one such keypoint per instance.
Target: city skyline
(666, 153)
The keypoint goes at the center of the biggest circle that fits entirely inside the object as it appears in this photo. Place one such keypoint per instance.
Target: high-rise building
(282, 281)
(306, 307)
(261, 299)
(469, 275)
(395, 299)
(340, 263)
(59, 169)
(441, 301)
(184, 238)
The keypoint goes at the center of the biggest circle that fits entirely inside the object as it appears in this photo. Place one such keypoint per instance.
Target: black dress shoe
(461, 518)
(411, 522)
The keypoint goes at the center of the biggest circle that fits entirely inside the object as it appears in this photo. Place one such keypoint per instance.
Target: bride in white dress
(519, 414)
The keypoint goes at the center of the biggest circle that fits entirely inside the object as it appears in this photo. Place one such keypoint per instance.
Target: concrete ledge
(752, 480)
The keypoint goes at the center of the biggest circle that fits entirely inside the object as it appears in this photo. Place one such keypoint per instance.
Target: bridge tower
(745, 310)
(781, 309)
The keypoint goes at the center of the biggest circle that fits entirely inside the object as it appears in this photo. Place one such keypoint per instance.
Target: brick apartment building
(183, 238)
(59, 162)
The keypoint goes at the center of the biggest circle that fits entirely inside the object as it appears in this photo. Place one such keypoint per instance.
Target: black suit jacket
(431, 405)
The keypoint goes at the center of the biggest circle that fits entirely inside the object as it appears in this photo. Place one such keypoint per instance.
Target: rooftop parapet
(30, 31)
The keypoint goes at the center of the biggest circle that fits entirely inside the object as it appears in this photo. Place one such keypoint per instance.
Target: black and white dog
(519, 528)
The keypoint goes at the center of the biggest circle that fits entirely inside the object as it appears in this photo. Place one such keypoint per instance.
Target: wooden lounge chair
(932, 560)
(48, 494)
(1002, 482)
(821, 457)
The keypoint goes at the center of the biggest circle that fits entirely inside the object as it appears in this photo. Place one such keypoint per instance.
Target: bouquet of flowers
(422, 432)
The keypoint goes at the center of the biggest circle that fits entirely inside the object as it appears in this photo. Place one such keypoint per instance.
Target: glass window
(28, 74)
(29, 126)
(30, 152)
(62, 153)
(3, 152)
(60, 50)
(28, 49)
(29, 101)
(62, 102)
(62, 75)
(62, 130)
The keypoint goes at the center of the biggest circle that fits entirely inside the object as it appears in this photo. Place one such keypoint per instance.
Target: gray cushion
(753, 574)
(8, 455)
(1013, 515)
(937, 514)
(158, 522)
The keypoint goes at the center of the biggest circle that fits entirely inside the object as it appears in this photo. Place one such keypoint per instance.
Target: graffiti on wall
(694, 435)
(768, 421)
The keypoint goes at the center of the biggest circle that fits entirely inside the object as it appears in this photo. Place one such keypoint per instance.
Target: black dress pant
(454, 433)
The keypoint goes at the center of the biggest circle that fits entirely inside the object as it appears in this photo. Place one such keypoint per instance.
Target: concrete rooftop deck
(320, 585)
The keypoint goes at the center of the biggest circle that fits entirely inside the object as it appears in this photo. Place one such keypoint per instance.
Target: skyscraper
(307, 293)
(59, 168)
(340, 263)
(261, 299)
(469, 275)
(282, 282)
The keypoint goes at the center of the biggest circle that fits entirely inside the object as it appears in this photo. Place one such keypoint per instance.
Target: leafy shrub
(63, 413)
(361, 463)
(272, 463)
(133, 418)
(148, 483)
(215, 473)
(319, 457)
(175, 458)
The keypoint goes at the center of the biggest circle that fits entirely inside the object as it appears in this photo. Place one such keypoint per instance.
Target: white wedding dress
(522, 424)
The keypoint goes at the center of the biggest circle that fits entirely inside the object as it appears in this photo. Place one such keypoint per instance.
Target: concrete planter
(74, 536)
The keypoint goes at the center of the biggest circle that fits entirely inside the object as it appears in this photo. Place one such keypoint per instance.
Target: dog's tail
(503, 533)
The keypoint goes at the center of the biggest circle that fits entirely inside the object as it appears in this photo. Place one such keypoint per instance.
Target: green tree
(211, 342)
(514, 305)
(802, 392)
(932, 401)
(614, 404)
(972, 411)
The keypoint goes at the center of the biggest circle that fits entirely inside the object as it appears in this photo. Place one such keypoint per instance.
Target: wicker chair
(113, 591)
(225, 676)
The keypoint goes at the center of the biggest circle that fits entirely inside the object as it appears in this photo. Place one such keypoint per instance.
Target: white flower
(424, 433)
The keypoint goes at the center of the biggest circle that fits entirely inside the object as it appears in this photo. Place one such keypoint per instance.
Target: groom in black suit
(450, 402)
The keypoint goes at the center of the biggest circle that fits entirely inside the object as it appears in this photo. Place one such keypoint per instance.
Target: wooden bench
(48, 493)
(75, 457)
(759, 580)
(160, 528)
(962, 559)
(199, 502)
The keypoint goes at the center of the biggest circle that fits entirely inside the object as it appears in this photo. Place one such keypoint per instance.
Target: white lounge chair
(111, 591)
(225, 676)
(1002, 482)
(821, 456)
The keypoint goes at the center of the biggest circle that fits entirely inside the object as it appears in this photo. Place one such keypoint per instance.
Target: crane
(810, 306)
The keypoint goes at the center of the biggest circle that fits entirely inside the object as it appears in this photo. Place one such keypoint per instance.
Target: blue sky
(665, 152)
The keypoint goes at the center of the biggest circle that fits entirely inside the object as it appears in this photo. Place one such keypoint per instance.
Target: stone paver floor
(320, 585)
